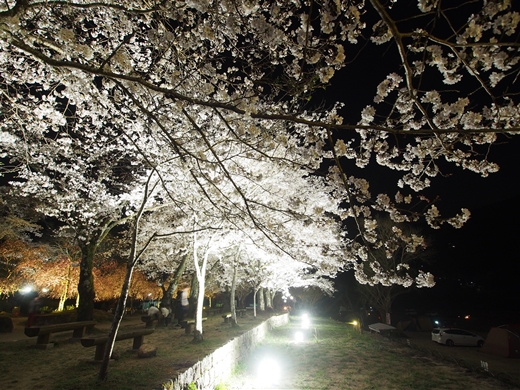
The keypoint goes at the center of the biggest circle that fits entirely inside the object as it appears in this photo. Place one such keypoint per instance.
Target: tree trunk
(118, 316)
(65, 292)
(86, 281)
(174, 283)
(261, 297)
(121, 302)
(194, 294)
(268, 299)
(254, 302)
(197, 335)
(242, 301)
(232, 297)
(200, 273)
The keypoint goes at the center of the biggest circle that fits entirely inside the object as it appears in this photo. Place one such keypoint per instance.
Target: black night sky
(477, 267)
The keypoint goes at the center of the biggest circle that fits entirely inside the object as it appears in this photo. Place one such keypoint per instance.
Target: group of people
(165, 311)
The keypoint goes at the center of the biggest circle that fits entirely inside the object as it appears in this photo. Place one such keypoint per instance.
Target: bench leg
(138, 341)
(43, 339)
(78, 333)
(100, 352)
(188, 329)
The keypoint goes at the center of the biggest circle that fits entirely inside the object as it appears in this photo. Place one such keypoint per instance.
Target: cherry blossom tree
(137, 248)
(398, 253)
(80, 176)
(168, 259)
(128, 84)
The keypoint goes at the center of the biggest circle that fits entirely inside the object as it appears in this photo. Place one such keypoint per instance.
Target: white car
(455, 336)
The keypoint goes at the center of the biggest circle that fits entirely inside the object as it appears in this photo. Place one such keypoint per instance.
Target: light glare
(268, 372)
(306, 323)
(26, 289)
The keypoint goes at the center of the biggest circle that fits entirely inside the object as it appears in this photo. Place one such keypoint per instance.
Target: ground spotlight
(306, 321)
(268, 372)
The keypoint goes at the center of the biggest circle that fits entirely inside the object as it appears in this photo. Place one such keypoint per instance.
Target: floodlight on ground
(268, 372)
(306, 321)
(298, 337)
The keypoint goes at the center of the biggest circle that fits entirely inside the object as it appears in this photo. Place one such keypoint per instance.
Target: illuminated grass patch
(336, 356)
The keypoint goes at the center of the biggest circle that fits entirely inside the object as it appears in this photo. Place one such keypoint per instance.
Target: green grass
(69, 366)
(336, 356)
(333, 356)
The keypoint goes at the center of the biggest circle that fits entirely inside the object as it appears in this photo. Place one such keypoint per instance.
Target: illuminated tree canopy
(113, 111)
(211, 96)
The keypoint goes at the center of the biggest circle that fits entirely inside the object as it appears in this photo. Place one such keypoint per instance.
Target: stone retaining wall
(218, 366)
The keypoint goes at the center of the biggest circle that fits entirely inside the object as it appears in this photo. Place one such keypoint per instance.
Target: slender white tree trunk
(200, 272)
(232, 297)
(261, 298)
(65, 292)
(268, 298)
(121, 303)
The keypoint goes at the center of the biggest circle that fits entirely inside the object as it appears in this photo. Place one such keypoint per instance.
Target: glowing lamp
(26, 289)
(268, 372)
(306, 321)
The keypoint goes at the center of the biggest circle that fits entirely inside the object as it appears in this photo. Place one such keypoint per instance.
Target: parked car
(456, 336)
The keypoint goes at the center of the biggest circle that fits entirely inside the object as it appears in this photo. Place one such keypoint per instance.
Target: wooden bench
(226, 317)
(242, 312)
(212, 312)
(43, 332)
(150, 321)
(101, 341)
(189, 324)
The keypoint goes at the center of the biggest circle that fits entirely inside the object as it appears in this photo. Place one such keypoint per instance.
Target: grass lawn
(69, 366)
(336, 356)
(333, 355)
